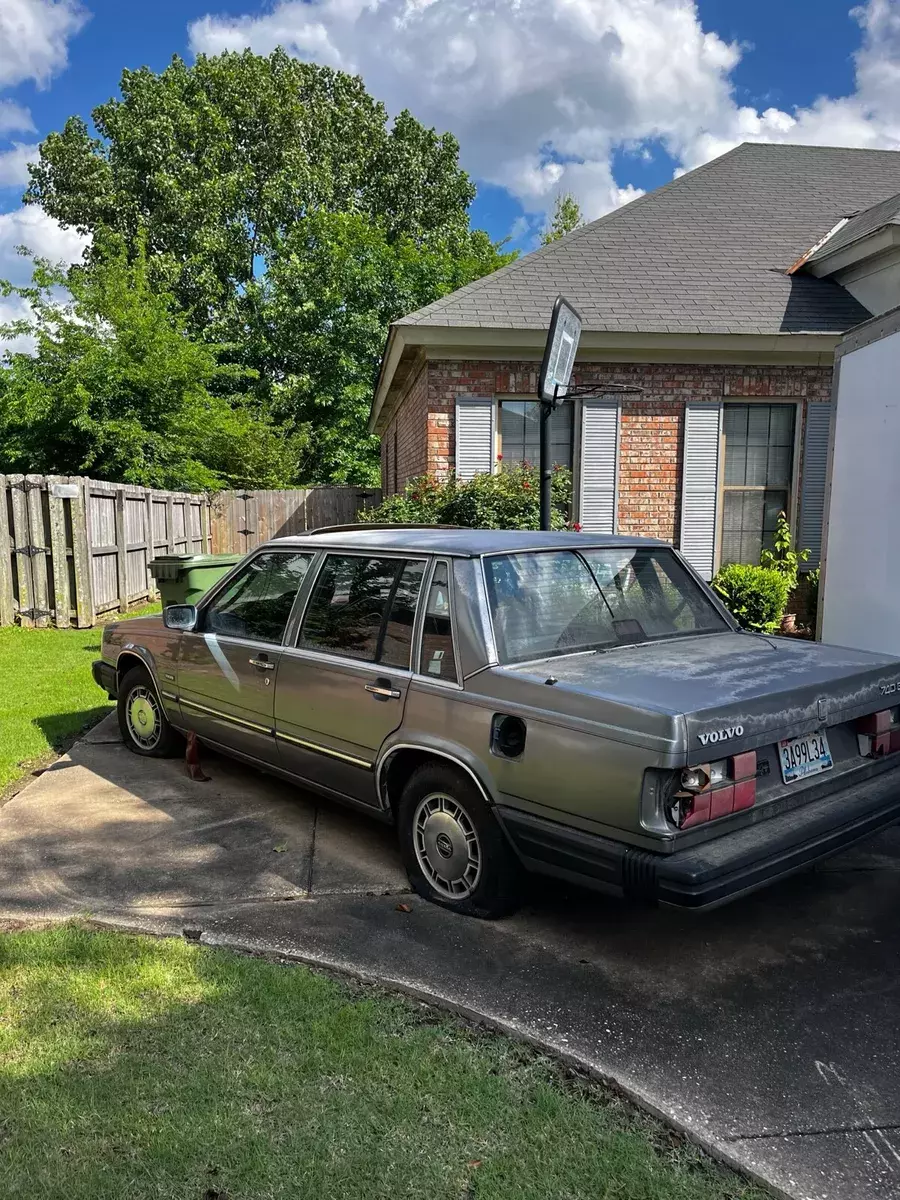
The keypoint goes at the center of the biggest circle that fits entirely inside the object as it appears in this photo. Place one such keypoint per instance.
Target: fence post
(22, 548)
(59, 554)
(149, 539)
(34, 486)
(170, 524)
(81, 555)
(7, 609)
(121, 550)
(205, 538)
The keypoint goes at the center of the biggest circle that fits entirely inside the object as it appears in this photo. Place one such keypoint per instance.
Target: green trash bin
(184, 578)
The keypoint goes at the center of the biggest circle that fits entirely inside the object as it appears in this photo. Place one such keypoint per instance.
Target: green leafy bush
(509, 499)
(756, 596)
(784, 558)
(812, 596)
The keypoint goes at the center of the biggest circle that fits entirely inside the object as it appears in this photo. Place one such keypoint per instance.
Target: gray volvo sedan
(560, 703)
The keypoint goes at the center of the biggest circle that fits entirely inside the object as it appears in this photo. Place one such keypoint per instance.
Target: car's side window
(396, 637)
(436, 657)
(256, 604)
(363, 608)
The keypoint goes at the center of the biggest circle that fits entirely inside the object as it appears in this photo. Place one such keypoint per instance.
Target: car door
(341, 690)
(227, 664)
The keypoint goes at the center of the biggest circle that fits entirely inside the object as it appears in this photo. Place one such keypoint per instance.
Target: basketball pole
(546, 466)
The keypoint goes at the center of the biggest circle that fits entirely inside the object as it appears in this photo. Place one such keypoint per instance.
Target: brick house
(721, 296)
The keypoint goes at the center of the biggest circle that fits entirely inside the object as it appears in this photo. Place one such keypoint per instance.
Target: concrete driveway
(769, 1030)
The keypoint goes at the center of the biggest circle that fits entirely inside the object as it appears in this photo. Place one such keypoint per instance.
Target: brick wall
(404, 444)
(651, 431)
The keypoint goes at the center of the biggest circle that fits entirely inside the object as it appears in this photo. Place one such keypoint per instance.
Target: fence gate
(40, 565)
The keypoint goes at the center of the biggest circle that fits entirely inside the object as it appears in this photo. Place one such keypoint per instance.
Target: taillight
(714, 790)
(879, 733)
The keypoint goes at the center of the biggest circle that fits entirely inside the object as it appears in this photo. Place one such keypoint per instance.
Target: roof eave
(878, 241)
(455, 341)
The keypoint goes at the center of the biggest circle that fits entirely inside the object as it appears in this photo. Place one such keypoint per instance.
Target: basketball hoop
(559, 354)
(563, 338)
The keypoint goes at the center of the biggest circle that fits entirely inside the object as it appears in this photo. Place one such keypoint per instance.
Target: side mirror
(180, 616)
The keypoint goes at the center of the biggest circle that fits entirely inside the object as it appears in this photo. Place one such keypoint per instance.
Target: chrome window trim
(324, 654)
(320, 656)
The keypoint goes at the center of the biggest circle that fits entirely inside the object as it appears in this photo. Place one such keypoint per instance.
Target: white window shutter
(474, 436)
(700, 485)
(599, 465)
(812, 490)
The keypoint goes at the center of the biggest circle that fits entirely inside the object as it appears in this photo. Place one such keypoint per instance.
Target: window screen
(520, 433)
(258, 601)
(759, 464)
(436, 657)
(364, 608)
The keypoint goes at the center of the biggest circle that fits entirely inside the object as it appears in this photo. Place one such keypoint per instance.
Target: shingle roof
(707, 253)
(887, 212)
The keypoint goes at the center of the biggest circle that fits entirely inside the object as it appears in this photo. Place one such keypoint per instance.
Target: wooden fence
(73, 548)
(242, 520)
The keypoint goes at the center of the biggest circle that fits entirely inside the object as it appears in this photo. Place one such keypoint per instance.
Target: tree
(116, 387)
(566, 217)
(231, 170)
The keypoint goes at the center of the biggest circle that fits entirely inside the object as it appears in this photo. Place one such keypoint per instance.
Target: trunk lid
(733, 691)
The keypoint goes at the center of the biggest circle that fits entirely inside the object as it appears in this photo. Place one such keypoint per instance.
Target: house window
(520, 433)
(759, 466)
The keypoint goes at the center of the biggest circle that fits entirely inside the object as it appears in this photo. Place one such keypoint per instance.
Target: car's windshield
(565, 601)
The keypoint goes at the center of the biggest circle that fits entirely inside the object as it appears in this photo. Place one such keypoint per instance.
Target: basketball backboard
(560, 351)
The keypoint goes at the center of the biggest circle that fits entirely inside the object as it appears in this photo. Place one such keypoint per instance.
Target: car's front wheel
(455, 852)
(142, 719)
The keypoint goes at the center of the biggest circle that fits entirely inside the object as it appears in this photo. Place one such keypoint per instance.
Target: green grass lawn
(47, 695)
(136, 1068)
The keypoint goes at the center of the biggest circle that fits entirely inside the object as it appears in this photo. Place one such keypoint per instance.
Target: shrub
(784, 558)
(812, 596)
(509, 499)
(756, 596)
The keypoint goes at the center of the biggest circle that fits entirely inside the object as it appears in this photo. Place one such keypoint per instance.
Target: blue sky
(606, 98)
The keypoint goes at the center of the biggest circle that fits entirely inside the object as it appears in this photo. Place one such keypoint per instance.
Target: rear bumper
(105, 676)
(718, 870)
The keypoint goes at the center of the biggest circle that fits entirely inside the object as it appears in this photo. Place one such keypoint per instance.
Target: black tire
(432, 833)
(137, 696)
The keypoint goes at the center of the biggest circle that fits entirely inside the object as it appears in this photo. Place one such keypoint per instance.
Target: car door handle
(263, 663)
(381, 689)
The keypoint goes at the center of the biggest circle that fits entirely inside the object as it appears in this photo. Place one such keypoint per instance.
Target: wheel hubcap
(143, 718)
(446, 846)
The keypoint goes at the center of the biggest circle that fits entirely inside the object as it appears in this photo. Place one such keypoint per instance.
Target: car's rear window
(564, 601)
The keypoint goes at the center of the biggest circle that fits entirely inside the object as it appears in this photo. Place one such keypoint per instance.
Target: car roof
(467, 543)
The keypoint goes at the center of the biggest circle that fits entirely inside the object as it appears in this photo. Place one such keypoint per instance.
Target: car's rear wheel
(455, 852)
(142, 719)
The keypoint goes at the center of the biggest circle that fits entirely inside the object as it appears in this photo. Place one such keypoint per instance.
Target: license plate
(803, 756)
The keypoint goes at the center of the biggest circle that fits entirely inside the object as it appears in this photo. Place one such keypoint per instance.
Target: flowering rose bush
(508, 499)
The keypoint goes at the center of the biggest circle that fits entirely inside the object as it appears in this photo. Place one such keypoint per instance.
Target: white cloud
(542, 92)
(14, 164)
(12, 308)
(32, 227)
(14, 118)
(33, 38)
